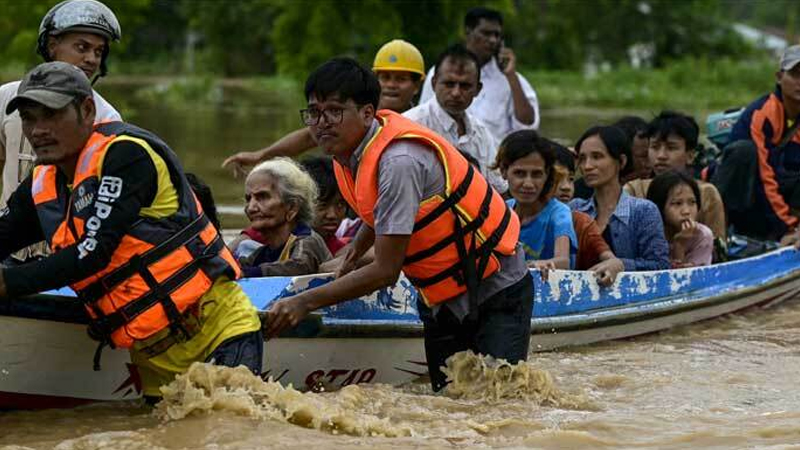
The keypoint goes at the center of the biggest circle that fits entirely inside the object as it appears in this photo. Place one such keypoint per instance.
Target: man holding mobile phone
(507, 102)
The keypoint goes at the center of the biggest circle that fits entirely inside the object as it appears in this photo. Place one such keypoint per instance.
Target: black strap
(486, 249)
(159, 293)
(471, 227)
(449, 202)
(108, 282)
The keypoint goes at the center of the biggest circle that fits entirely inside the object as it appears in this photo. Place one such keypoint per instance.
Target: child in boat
(280, 198)
(677, 196)
(526, 161)
(593, 254)
(331, 208)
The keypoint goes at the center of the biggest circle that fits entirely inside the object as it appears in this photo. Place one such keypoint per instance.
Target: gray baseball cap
(53, 84)
(790, 58)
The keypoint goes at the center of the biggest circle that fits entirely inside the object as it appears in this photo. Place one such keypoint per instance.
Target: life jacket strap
(159, 293)
(471, 227)
(449, 202)
(108, 282)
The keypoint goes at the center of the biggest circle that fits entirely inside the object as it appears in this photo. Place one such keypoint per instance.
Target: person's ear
(367, 114)
(87, 112)
(478, 88)
(778, 76)
(52, 41)
(623, 162)
(291, 212)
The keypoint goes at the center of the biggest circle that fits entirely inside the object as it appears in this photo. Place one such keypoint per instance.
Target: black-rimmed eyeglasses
(311, 116)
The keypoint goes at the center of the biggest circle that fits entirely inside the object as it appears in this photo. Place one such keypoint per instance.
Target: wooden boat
(46, 355)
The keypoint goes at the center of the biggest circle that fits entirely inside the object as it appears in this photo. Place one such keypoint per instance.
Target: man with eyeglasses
(452, 235)
(507, 101)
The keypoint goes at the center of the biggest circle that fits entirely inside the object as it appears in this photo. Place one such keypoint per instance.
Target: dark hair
(474, 16)
(458, 52)
(671, 122)
(564, 156)
(321, 170)
(662, 185)
(205, 197)
(344, 76)
(522, 143)
(616, 142)
(632, 126)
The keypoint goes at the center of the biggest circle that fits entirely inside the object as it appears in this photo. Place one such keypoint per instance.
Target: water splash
(474, 376)
(205, 388)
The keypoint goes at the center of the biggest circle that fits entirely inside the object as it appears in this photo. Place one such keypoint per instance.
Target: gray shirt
(407, 174)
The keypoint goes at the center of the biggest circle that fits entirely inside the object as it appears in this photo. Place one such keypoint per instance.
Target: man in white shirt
(456, 82)
(507, 101)
(78, 32)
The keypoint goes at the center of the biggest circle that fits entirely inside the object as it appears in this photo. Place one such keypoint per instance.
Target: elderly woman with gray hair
(280, 198)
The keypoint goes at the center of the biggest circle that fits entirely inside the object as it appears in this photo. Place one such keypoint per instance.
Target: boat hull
(46, 355)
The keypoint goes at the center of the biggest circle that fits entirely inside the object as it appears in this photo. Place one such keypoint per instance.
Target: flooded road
(725, 383)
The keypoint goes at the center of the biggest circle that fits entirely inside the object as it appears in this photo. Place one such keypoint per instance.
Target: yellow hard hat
(399, 55)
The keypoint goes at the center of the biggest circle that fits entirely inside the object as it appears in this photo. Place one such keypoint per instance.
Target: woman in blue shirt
(631, 226)
(526, 161)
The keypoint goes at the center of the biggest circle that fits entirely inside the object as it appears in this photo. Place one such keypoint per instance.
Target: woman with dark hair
(526, 161)
(677, 196)
(631, 226)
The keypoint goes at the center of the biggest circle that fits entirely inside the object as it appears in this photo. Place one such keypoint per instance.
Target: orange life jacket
(455, 236)
(161, 267)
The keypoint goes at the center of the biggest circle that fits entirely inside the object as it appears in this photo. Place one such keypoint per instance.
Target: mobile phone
(502, 62)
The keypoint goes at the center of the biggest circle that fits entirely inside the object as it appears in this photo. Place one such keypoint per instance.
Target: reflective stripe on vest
(454, 234)
(161, 267)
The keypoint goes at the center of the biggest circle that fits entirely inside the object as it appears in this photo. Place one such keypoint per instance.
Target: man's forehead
(488, 24)
(459, 66)
(334, 98)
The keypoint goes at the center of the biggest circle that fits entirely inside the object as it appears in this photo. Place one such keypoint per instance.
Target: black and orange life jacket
(456, 236)
(161, 267)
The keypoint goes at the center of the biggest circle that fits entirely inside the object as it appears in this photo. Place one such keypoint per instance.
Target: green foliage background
(289, 37)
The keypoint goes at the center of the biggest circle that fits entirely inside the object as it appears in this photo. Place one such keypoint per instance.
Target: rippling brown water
(727, 383)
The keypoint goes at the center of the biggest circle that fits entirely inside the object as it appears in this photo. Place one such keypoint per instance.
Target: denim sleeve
(652, 249)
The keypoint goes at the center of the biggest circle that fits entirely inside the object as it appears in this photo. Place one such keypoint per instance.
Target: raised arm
(293, 144)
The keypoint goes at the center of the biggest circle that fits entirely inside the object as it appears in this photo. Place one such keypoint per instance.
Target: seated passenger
(331, 208)
(593, 252)
(526, 162)
(759, 175)
(631, 226)
(678, 198)
(635, 128)
(673, 140)
(280, 200)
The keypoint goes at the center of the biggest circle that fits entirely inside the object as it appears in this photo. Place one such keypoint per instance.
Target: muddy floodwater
(725, 383)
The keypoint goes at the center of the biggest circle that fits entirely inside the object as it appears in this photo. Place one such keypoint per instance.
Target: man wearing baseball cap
(759, 176)
(126, 234)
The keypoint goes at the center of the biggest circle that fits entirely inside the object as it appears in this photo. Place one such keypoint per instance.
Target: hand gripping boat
(46, 355)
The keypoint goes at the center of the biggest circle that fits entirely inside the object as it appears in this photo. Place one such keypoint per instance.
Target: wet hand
(283, 314)
(791, 238)
(349, 264)
(239, 162)
(544, 267)
(606, 271)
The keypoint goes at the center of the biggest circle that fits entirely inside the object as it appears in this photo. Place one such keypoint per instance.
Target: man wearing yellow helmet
(400, 70)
